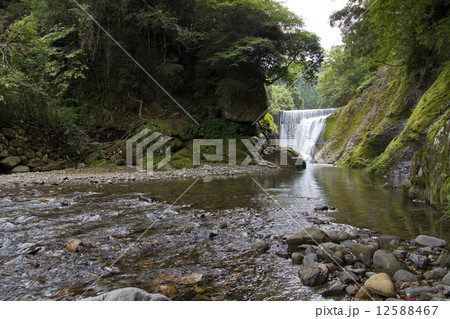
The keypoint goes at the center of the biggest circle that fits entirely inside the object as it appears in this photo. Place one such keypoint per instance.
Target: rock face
(381, 284)
(363, 252)
(128, 294)
(246, 104)
(385, 261)
(424, 240)
(309, 236)
(313, 275)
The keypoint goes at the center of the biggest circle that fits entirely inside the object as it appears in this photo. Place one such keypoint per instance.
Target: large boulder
(242, 99)
(381, 284)
(285, 157)
(127, 294)
(10, 162)
(424, 240)
(385, 261)
(313, 275)
(309, 236)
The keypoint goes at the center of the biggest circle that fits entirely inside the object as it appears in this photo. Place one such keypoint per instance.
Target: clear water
(34, 264)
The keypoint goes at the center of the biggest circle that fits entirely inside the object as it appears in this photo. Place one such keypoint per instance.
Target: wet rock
(206, 234)
(46, 199)
(381, 284)
(385, 261)
(334, 290)
(316, 221)
(420, 261)
(65, 202)
(321, 207)
(10, 162)
(282, 254)
(260, 248)
(351, 290)
(310, 259)
(364, 294)
(348, 243)
(400, 254)
(297, 258)
(404, 275)
(127, 294)
(191, 279)
(223, 225)
(363, 252)
(435, 273)
(446, 279)
(73, 245)
(347, 277)
(444, 260)
(151, 217)
(349, 259)
(424, 240)
(337, 236)
(20, 169)
(313, 275)
(310, 236)
(424, 251)
(166, 289)
(416, 291)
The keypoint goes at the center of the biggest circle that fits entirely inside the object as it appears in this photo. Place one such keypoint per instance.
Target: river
(237, 210)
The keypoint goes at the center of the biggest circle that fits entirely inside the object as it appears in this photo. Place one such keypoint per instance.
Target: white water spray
(306, 126)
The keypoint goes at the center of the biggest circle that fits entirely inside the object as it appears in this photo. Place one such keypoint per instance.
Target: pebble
(73, 245)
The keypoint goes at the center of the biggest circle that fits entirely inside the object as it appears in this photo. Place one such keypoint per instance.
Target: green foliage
(268, 124)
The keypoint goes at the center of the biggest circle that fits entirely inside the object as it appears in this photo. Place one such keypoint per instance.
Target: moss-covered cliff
(393, 126)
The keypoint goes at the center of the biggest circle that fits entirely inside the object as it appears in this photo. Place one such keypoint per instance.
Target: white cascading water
(306, 126)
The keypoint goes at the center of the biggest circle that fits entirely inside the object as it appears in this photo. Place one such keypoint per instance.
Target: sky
(315, 14)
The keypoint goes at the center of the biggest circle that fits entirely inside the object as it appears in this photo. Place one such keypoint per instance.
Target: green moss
(330, 125)
(432, 104)
(268, 124)
(100, 164)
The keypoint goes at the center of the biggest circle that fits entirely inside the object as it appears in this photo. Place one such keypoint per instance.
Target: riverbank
(122, 175)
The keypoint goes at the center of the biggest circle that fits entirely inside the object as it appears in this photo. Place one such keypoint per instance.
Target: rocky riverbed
(123, 175)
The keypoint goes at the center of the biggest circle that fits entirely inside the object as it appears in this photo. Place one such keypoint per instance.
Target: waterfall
(305, 126)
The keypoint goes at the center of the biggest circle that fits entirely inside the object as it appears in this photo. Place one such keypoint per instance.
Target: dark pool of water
(34, 264)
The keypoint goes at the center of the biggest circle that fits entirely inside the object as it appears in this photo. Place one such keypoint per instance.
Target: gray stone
(337, 236)
(349, 259)
(420, 261)
(297, 258)
(260, 248)
(347, 277)
(20, 169)
(363, 252)
(370, 274)
(310, 236)
(385, 261)
(310, 259)
(446, 279)
(400, 254)
(348, 243)
(205, 234)
(17, 143)
(404, 275)
(435, 273)
(313, 275)
(424, 240)
(424, 251)
(127, 294)
(4, 153)
(444, 260)
(416, 291)
(8, 133)
(351, 290)
(10, 162)
(335, 290)
(151, 217)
